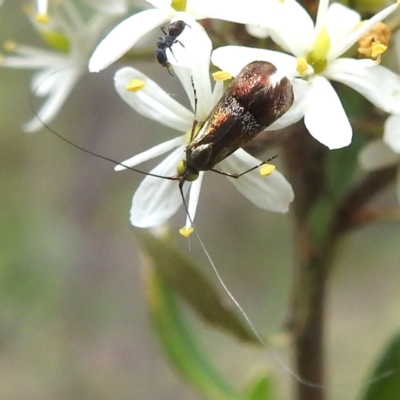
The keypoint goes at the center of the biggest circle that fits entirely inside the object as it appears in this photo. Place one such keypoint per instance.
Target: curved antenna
(63, 138)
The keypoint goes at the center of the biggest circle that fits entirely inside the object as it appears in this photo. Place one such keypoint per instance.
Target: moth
(255, 99)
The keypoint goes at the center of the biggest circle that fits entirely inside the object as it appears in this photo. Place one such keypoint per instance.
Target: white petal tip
(94, 68)
(119, 168)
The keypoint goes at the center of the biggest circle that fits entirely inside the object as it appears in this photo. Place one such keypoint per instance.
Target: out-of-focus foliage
(385, 383)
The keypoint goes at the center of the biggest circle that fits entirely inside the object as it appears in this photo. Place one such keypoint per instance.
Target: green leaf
(260, 389)
(178, 342)
(186, 280)
(385, 380)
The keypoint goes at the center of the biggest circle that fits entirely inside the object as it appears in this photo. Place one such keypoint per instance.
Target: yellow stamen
(221, 76)
(267, 169)
(9, 45)
(135, 85)
(282, 1)
(374, 42)
(302, 65)
(42, 19)
(186, 232)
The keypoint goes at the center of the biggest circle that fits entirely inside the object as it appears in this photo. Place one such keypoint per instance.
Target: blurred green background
(73, 319)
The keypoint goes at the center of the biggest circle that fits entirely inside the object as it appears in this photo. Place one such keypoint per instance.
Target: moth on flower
(223, 123)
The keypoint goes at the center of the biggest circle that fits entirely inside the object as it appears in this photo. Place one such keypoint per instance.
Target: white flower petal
(59, 93)
(340, 21)
(320, 21)
(164, 4)
(194, 199)
(42, 6)
(293, 28)
(151, 153)
(156, 199)
(325, 117)
(113, 7)
(233, 58)
(257, 31)
(193, 45)
(234, 10)
(44, 81)
(202, 88)
(191, 61)
(124, 36)
(272, 193)
(296, 112)
(376, 155)
(152, 101)
(349, 40)
(218, 91)
(377, 84)
(391, 134)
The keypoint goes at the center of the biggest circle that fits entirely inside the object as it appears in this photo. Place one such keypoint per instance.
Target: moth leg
(236, 176)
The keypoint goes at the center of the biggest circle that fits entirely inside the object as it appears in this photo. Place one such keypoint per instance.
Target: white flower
(130, 31)
(58, 70)
(318, 48)
(156, 200)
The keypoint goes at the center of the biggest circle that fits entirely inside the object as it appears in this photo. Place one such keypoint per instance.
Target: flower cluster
(312, 54)
(70, 39)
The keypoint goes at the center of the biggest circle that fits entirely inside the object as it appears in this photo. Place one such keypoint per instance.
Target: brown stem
(306, 162)
(352, 207)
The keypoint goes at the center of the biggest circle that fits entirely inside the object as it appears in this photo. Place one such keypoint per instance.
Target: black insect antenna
(195, 122)
(71, 143)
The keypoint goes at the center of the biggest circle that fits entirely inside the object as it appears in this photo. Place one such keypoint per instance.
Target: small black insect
(166, 42)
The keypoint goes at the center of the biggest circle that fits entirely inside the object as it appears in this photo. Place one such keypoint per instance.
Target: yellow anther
(267, 169)
(135, 85)
(9, 45)
(221, 76)
(282, 1)
(42, 19)
(375, 42)
(185, 232)
(377, 50)
(302, 65)
(178, 5)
